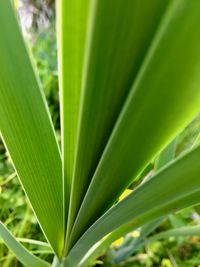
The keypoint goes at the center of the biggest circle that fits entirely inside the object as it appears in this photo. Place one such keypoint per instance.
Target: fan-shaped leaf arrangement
(129, 74)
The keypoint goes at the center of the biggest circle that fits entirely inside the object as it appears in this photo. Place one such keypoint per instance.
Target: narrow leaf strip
(164, 98)
(27, 130)
(71, 28)
(182, 231)
(174, 187)
(33, 242)
(197, 141)
(23, 255)
(166, 155)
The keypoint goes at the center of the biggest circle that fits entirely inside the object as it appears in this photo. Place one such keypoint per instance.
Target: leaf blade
(27, 130)
(24, 256)
(71, 28)
(161, 198)
(112, 46)
(177, 76)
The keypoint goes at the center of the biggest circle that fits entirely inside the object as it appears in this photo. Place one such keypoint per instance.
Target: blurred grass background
(38, 24)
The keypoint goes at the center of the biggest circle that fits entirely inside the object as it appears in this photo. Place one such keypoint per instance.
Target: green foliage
(28, 117)
(125, 93)
(44, 51)
(15, 210)
(16, 213)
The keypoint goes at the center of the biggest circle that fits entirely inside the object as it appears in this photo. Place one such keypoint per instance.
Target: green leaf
(164, 158)
(27, 130)
(23, 255)
(104, 243)
(164, 98)
(33, 242)
(197, 141)
(174, 187)
(181, 231)
(133, 244)
(71, 28)
(56, 262)
(123, 253)
(166, 155)
(118, 36)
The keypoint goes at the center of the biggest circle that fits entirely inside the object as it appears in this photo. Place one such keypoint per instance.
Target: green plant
(129, 83)
(15, 210)
(133, 242)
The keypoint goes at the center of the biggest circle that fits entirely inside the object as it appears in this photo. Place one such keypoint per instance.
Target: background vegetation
(38, 23)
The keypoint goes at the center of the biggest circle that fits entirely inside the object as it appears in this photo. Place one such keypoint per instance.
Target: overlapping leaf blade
(104, 243)
(119, 34)
(168, 82)
(27, 130)
(151, 200)
(164, 158)
(164, 98)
